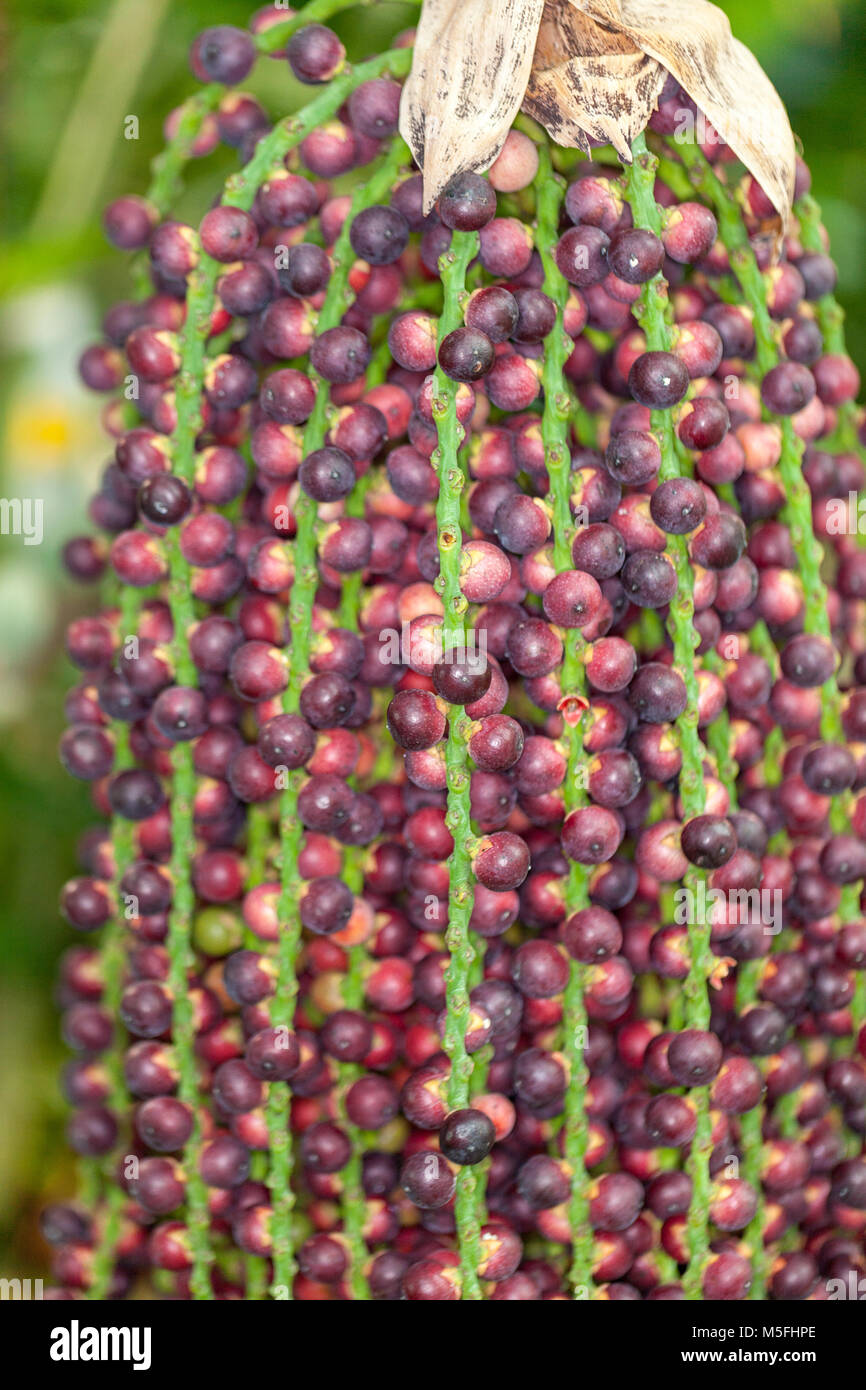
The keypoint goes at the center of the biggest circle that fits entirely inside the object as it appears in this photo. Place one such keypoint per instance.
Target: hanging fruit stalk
(555, 435)
(476, 574)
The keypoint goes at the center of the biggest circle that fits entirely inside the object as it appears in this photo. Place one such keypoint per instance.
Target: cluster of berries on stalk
(478, 662)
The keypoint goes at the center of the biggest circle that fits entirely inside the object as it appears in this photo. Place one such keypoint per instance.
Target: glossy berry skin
(222, 54)
(135, 794)
(87, 752)
(649, 579)
(633, 457)
(412, 340)
(326, 906)
(224, 1162)
(467, 203)
(306, 272)
(228, 234)
(703, 423)
(128, 223)
(427, 1180)
(164, 499)
(347, 1035)
(719, 542)
(327, 474)
(145, 1009)
(598, 550)
(159, 1185)
(466, 1137)
(657, 694)
(379, 235)
(324, 1148)
(180, 713)
(164, 1124)
(708, 841)
(493, 311)
(533, 648)
(808, 660)
(678, 506)
(521, 525)
(539, 970)
(572, 599)
(536, 315)
(415, 719)
(374, 108)
(466, 354)
(615, 1201)
(591, 835)
(341, 354)
(286, 740)
(581, 254)
(315, 53)
(592, 934)
(502, 861)
(658, 380)
(690, 230)
(694, 1057)
(787, 388)
(635, 255)
(829, 769)
(461, 677)
(505, 247)
(497, 744)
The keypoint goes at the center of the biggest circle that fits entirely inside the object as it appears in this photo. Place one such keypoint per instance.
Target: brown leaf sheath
(693, 40)
(590, 82)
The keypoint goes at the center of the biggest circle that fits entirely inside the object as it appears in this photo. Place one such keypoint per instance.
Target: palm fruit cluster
(475, 714)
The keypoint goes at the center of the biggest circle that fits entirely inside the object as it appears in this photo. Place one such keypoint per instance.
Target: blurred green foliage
(74, 70)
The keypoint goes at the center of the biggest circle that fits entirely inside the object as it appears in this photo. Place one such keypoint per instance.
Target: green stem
(350, 593)
(301, 600)
(653, 316)
(258, 843)
(452, 268)
(352, 1199)
(718, 736)
(168, 166)
(282, 1015)
(762, 643)
(240, 192)
(554, 432)
(179, 940)
(316, 11)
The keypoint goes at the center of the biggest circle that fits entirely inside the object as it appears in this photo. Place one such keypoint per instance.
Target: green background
(74, 72)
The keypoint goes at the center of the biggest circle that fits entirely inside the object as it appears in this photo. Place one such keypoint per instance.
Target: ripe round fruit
(466, 1137)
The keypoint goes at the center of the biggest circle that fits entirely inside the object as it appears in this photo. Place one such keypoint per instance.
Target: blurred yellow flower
(46, 437)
